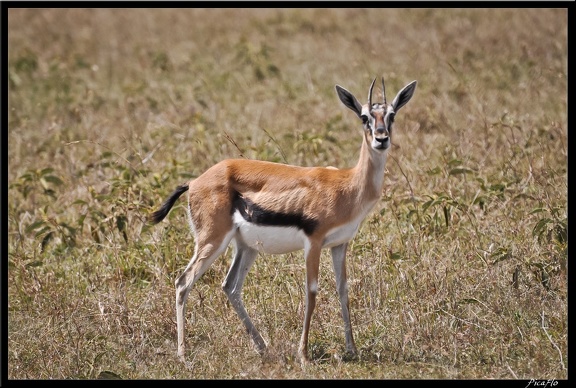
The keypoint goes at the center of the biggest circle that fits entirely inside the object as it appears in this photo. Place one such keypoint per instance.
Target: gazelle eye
(389, 119)
(364, 119)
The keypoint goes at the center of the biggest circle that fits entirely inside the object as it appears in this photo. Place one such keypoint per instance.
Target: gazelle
(275, 208)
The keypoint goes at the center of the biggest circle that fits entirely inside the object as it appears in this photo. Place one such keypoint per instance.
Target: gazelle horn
(383, 91)
(370, 95)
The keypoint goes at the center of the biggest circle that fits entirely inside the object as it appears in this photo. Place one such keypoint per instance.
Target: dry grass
(460, 272)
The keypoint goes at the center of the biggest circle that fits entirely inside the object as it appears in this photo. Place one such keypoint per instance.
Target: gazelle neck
(369, 171)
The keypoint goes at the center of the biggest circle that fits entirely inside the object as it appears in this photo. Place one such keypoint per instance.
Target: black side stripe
(255, 214)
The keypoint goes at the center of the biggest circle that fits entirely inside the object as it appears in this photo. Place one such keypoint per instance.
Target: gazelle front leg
(339, 261)
(312, 254)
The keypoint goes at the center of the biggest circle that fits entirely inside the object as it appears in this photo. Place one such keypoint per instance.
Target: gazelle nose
(382, 139)
(381, 131)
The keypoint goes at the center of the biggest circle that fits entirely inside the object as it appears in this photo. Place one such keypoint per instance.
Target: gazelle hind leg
(244, 257)
(206, 253)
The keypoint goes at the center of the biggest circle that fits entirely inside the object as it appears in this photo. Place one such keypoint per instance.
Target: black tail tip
(155, 217)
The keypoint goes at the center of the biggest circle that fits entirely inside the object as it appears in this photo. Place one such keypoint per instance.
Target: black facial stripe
(389, 120)
(255, 214)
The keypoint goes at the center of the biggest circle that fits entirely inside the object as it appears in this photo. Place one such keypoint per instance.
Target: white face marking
(269, 239)
(379, 115)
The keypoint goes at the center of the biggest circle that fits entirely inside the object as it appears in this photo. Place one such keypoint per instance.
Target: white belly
(340, 235)
(269, 239)
(282, 239)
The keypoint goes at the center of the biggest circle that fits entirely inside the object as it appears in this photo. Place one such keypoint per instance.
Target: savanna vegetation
(459, 273)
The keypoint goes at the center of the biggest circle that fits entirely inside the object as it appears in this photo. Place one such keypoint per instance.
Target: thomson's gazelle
(276, 208)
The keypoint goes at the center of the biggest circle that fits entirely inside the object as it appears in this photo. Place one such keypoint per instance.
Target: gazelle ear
(404, 96)
(349, 100)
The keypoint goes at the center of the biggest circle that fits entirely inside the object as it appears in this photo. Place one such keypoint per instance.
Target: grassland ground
(459, 273)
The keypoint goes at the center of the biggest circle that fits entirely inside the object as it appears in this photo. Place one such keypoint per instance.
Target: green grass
(459, 272)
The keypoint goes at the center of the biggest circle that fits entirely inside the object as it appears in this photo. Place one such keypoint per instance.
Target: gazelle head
(377, 118)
